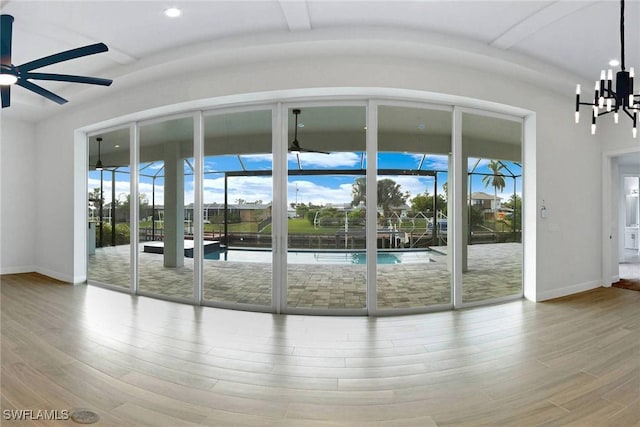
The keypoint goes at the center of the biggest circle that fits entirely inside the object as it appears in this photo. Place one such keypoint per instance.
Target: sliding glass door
(109, 225)
(326, 208)
(492, 250)
(238, 208)
(165, 197)
(412, 235)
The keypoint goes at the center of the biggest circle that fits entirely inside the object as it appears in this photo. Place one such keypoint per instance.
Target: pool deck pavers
(494, 270)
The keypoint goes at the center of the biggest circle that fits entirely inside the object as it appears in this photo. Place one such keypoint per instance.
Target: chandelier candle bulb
(616, 117)
(577, 89)
(610, 74)
(608, 105)
(601, 102)
(577, 117)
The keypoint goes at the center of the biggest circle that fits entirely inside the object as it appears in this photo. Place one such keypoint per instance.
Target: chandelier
(620, 100)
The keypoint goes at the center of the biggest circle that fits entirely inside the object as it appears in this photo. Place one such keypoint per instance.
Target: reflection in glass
(492, 250)
(326, 219)
(237, 208)
(165, 258)
(414, 268)
(108, 204)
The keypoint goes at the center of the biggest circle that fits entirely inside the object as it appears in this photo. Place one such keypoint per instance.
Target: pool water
(321, 257)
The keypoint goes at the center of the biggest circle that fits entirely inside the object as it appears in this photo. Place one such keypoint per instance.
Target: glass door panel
(108, 203)
(414, 268)
(492, 243)
(326, 260)
(165, 188)
(237, 208)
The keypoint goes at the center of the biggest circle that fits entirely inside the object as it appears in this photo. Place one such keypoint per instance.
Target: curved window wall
(277, 197)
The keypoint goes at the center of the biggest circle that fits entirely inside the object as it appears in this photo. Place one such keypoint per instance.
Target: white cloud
(333, 160)
(248, 188)
(311, 192)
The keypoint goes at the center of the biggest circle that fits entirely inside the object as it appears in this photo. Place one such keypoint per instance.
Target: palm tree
(389, 194)
(359, 191)
(496, 181)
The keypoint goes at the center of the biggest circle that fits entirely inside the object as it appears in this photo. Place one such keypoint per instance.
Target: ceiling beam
(538, 21)
(296, 14)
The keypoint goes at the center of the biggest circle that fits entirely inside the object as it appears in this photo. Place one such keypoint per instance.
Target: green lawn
(303, 226)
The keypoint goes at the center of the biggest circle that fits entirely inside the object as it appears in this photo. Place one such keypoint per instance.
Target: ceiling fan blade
(6, 28)
(68, 78)
(6, 95)
(41, 91)
(64, 56)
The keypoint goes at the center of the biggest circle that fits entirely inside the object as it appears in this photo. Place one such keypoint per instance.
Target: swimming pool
(322, 257)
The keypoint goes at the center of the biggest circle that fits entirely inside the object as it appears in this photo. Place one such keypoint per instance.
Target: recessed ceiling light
(300, 125)
(172, 12)
(614, 62)
(117, 146)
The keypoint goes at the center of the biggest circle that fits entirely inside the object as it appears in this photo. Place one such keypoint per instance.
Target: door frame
(609, 229)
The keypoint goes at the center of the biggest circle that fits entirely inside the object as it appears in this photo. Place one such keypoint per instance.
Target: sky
(319, 190)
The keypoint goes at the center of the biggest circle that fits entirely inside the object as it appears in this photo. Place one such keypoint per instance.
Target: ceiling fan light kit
(22, 75)
(608, 99)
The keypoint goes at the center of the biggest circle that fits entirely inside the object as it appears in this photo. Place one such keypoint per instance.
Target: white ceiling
(572, 36)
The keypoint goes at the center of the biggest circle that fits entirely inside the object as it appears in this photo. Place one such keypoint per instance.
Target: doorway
(627, 181)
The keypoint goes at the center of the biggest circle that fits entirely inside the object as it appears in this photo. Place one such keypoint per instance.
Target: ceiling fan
(99, 166)
(22, 74)
(295, 144)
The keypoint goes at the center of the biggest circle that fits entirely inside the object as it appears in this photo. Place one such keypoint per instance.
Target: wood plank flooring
(143, 362)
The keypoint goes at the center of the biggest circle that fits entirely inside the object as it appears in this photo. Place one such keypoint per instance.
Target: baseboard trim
(18, 270)
(567, 290)
(54, 274)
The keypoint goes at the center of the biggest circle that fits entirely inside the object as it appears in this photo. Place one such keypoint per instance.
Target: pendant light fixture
(99, 166)
(618, 100)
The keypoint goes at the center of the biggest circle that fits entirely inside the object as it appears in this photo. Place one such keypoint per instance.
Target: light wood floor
(144, 362)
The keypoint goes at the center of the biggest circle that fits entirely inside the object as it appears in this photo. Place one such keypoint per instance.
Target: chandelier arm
(604, 113)
(628, 113)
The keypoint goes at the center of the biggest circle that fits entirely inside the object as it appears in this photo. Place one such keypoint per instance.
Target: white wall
(568, 249)
(18, 217)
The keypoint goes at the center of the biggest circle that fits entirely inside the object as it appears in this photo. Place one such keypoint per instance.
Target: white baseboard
(18, 269)
(567, 290)
(54, 274)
